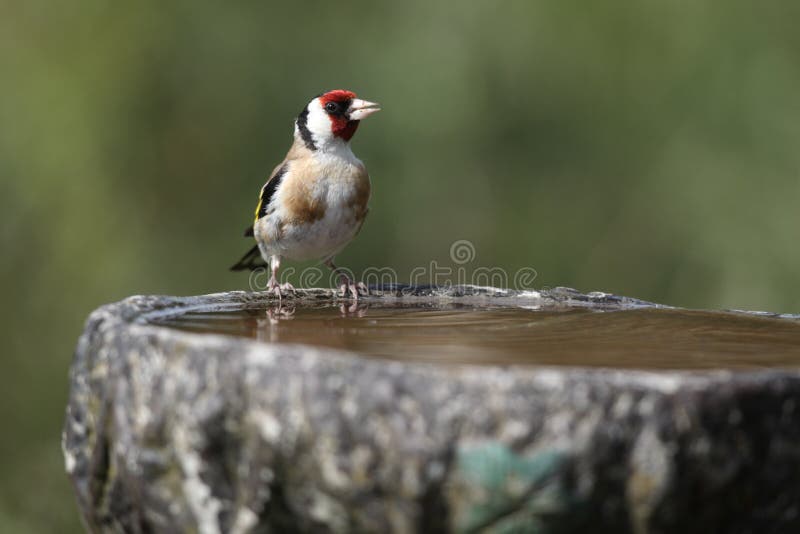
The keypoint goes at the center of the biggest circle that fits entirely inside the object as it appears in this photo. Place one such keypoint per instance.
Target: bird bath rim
(145, 311)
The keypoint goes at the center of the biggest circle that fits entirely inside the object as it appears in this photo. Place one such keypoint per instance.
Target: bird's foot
(280, 290)
(287, 288)
(348, 287)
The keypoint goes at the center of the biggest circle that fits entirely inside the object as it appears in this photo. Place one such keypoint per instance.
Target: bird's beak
(360, 109)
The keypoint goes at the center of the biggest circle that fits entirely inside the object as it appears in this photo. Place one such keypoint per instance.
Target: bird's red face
(336, 103)
(333, 115)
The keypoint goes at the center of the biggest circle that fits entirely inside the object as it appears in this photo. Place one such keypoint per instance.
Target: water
(640, 338)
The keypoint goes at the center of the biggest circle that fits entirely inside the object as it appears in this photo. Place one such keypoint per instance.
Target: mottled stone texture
(168, 431)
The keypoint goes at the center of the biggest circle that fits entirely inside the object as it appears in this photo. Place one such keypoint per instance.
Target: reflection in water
(644, 338)
(287, 311)
(265, 329)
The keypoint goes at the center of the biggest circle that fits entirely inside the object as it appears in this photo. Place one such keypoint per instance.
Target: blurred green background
(645, 148)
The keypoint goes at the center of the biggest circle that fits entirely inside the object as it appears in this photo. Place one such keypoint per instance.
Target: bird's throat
(343, 128)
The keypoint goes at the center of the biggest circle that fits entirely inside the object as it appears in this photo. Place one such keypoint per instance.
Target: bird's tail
(251, 261)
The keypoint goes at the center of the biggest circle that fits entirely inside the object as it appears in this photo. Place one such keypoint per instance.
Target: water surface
(640, 338)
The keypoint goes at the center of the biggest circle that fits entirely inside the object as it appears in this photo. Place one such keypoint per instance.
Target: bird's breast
(319, 208)
(317, 188)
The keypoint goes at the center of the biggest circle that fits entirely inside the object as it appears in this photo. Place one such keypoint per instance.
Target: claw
(348, 287)
(280, 290)
(288, 288)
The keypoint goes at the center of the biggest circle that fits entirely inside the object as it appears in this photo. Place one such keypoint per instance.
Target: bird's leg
(273, 285)
(346, 284)
(274, 265)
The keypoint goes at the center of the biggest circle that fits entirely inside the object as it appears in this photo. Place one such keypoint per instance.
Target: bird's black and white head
(331, 119)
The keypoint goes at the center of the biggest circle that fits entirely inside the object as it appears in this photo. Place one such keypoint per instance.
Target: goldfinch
(315, 200)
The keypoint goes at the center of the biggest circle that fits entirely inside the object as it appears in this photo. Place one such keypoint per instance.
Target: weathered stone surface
(169, 431)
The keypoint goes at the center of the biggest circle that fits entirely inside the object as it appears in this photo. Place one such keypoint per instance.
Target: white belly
(279, 234)
(320, 239)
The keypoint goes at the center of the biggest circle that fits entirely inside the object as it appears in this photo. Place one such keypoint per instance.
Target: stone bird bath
(174, 430)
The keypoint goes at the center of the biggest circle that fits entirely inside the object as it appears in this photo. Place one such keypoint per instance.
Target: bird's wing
(251, 261)
(267, 194)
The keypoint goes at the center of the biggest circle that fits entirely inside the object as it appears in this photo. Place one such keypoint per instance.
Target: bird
(315, 201)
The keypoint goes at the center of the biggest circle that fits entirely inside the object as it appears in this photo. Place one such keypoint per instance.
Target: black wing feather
(269, 191)
(253, 260)
(250, 261)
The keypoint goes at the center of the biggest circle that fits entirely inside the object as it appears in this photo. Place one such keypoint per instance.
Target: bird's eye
(331, 107)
